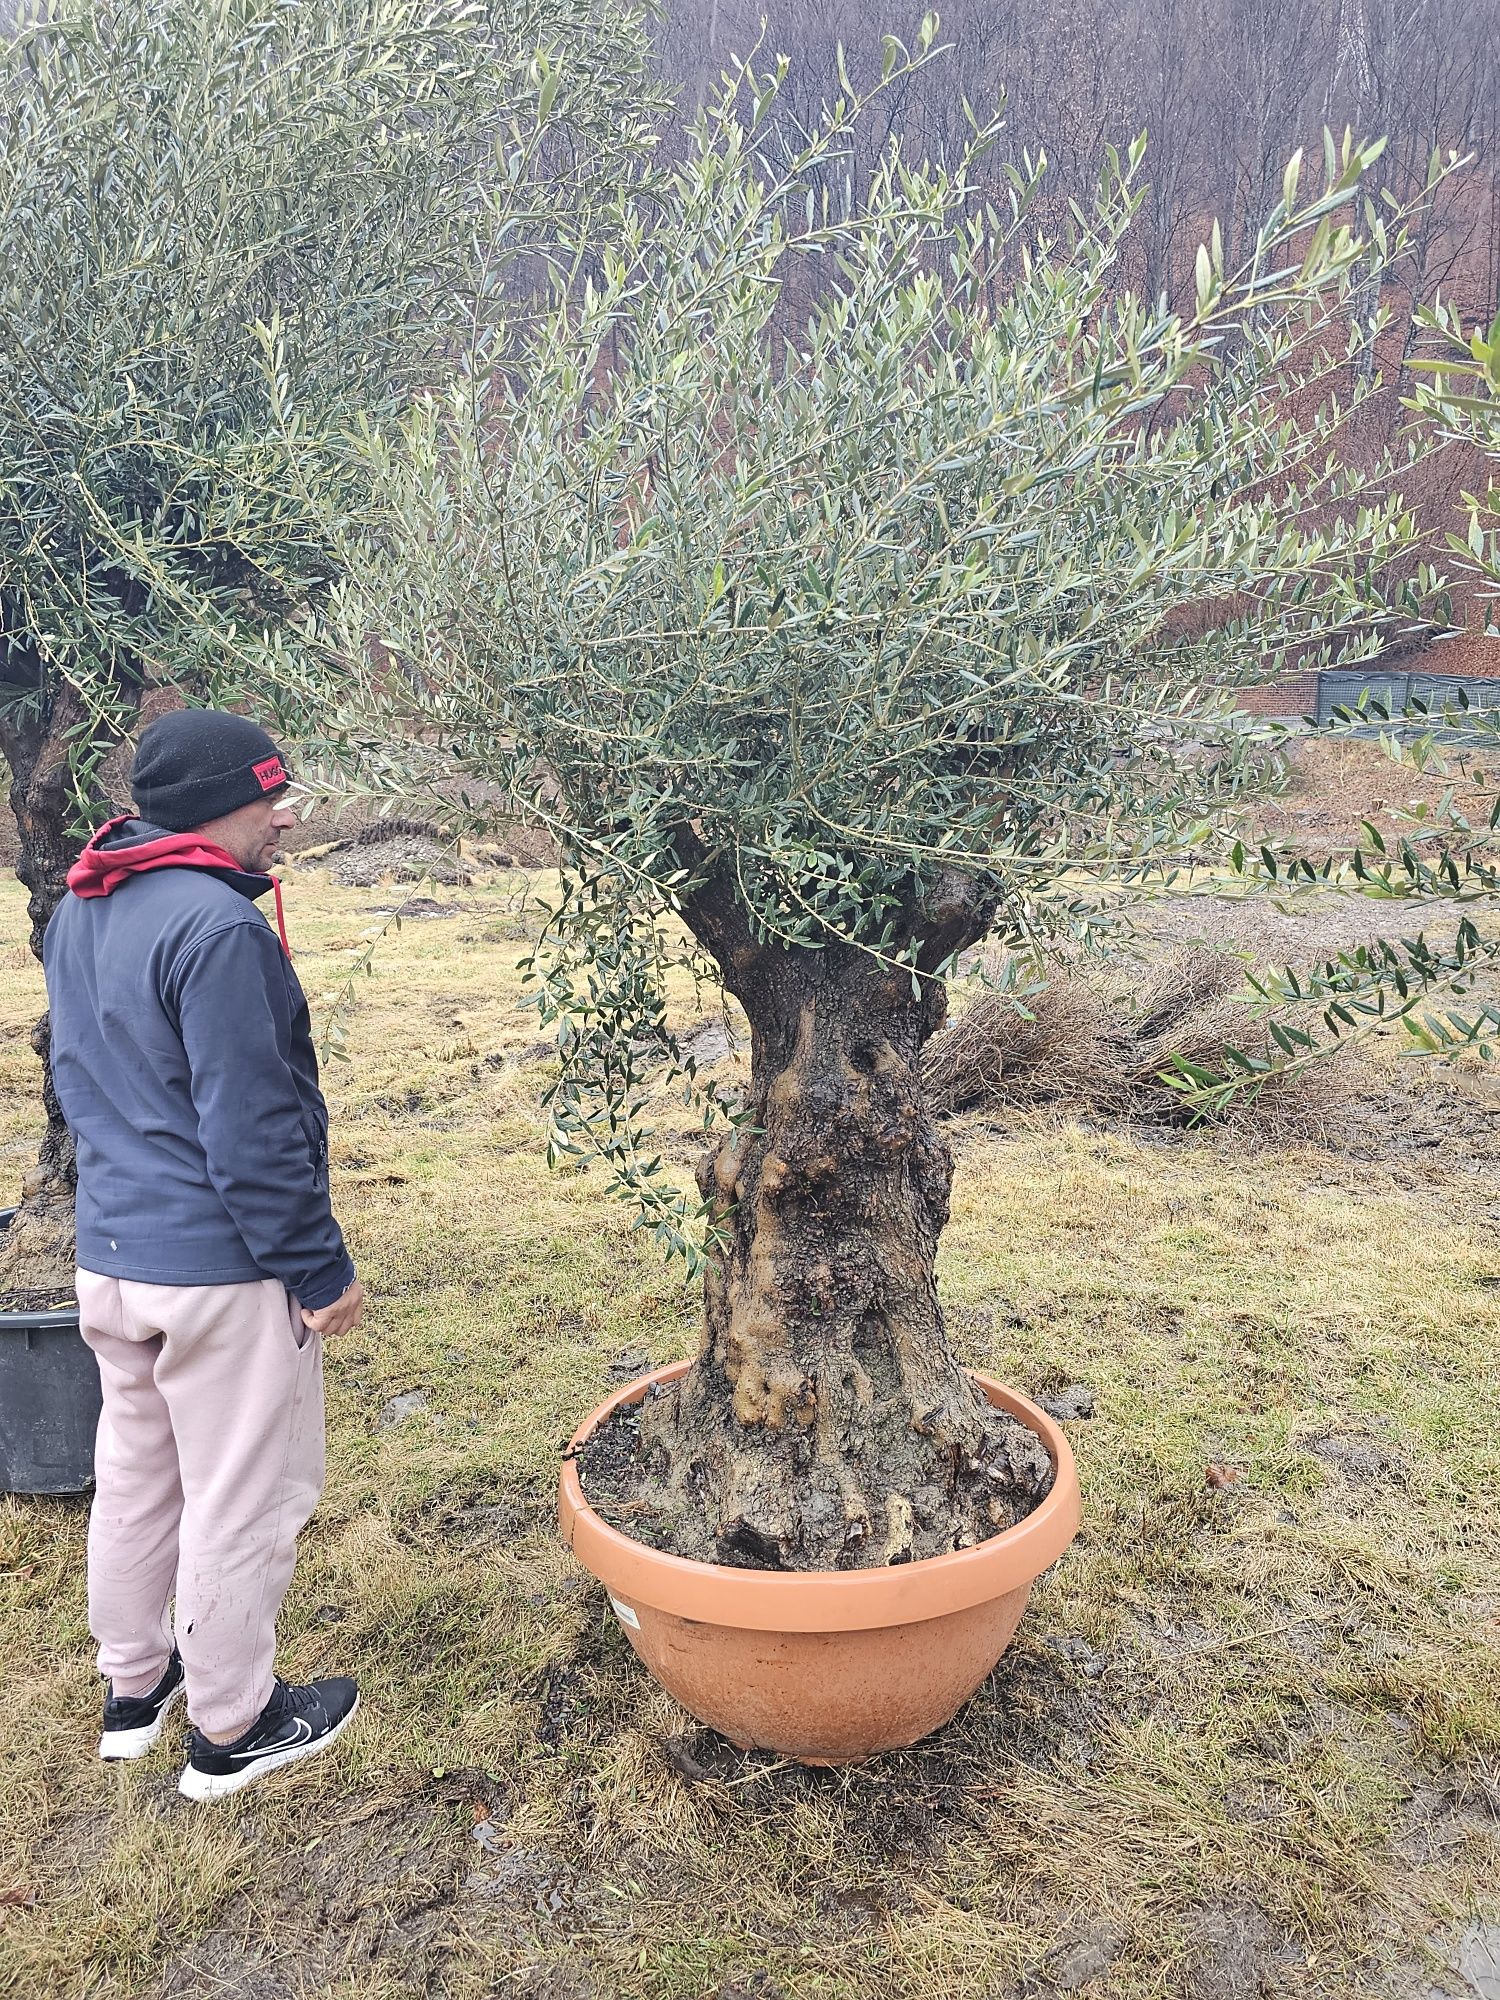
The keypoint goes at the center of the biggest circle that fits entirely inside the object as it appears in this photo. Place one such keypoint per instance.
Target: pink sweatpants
(209, 1460)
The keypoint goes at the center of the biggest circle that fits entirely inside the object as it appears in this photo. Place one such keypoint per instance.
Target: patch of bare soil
(397, 851)
(379, 1886)
(1299, 930)
(1423, 1123)
(1237, 1951)
(1335, 786)
(421, 909)
(409, 1886)
(1358, 1454)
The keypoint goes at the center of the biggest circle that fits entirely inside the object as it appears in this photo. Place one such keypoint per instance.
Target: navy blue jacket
(185, 1068)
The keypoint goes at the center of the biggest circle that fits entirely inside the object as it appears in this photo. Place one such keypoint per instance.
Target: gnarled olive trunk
(37, 1253)
(827, 1422)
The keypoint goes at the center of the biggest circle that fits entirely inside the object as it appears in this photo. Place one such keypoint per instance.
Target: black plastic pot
(49, 1400)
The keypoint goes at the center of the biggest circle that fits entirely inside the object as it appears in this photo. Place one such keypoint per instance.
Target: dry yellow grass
(1247, 1734)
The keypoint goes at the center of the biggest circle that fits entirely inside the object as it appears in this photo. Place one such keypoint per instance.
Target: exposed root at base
(756, 1499)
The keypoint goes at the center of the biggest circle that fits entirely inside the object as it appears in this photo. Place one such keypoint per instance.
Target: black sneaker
(296, 1722)
(132, 1722)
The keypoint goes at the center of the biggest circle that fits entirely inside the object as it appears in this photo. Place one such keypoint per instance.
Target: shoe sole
(117, 1746)
(204, 1787)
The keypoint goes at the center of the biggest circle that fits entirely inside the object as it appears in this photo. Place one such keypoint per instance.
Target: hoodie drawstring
(280, 919)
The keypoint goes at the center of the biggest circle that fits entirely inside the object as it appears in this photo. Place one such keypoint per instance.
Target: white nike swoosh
(301, 1733)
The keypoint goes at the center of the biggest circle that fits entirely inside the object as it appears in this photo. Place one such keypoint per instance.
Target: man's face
(252, 834)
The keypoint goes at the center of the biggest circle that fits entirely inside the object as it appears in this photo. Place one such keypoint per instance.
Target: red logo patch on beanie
(270, 774)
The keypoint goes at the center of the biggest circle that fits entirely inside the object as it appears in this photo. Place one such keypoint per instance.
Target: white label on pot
(625, 1615)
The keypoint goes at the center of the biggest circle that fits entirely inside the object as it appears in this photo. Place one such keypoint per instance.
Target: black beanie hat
(199, 763)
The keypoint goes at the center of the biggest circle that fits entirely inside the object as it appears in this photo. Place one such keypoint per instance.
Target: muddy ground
(1240, 1749)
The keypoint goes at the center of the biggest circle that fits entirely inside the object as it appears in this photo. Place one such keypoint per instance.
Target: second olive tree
(198, 207)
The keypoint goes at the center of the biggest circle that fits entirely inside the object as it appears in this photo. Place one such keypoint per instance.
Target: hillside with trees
(1226, 91)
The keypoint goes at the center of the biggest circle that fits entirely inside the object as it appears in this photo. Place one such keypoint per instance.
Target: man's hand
(341, 1317)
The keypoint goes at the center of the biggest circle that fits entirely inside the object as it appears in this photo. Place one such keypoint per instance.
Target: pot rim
(824, 1600)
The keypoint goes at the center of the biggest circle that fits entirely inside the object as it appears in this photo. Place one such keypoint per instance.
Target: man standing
(210, 1262)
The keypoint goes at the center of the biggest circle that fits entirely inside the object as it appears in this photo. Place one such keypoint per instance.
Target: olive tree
(827, 654)
(197, 203)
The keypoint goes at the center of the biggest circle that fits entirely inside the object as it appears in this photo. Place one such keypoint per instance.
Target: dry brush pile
(1084, 1043)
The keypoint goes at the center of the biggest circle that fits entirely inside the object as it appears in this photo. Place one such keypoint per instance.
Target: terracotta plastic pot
(824, 1666)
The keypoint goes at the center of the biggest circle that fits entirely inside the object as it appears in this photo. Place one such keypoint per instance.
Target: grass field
(1247, 1742)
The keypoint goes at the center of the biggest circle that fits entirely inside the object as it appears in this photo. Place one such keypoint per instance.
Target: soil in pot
(37, 1257)
(956, 1501)
(44, 1300)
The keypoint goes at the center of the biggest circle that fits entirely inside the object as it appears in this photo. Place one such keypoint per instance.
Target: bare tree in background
(1226, 89)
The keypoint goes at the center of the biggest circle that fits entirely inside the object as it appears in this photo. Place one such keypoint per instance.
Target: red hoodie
(99, 871)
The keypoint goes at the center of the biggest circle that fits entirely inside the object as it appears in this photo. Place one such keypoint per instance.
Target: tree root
(885, 1493)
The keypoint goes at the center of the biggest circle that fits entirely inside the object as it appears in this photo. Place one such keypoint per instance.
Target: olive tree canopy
(845, 575)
